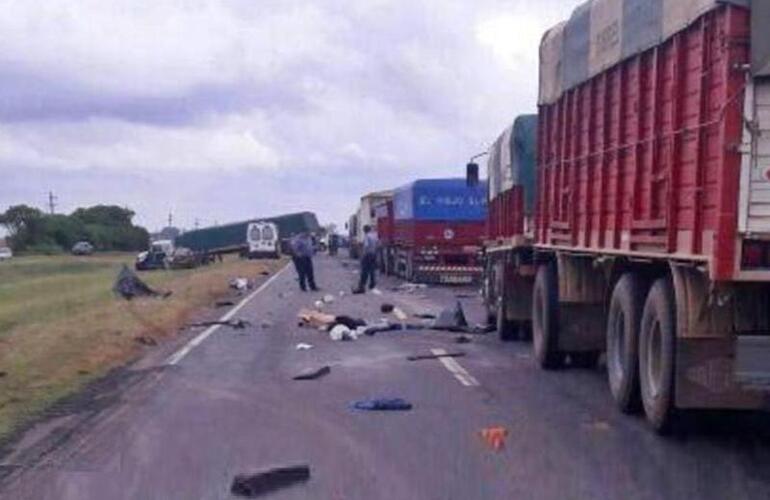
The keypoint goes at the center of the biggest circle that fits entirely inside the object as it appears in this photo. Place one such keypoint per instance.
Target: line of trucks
(257, 238)
(631, 216)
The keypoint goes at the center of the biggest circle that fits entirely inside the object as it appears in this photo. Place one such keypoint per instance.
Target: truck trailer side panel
(644, 158)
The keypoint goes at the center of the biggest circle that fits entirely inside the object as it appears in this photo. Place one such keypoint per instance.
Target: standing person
(368, 260)
(302, 255)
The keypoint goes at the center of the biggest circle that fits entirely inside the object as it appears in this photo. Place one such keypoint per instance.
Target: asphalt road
(229, 406)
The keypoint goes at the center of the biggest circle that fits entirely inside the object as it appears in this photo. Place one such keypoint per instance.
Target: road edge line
(198, 339)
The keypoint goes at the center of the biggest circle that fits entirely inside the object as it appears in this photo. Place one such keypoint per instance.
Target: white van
(263, 240)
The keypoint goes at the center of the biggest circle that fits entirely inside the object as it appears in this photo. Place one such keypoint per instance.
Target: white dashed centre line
(460, 373)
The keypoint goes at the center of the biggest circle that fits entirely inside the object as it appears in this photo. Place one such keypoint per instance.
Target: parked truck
(651, 237)
(364, 216)
(385, 227)
(438, 231)
(252, 238)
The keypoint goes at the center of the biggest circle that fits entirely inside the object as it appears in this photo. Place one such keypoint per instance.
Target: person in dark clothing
(368, 260)
(302, 255)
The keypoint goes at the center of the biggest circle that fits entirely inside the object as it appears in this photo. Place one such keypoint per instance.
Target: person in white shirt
(368, 260)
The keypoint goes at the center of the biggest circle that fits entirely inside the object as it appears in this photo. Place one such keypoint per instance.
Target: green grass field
(61, 326)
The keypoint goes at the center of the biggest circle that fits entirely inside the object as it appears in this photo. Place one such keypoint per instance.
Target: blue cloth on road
(382, 404)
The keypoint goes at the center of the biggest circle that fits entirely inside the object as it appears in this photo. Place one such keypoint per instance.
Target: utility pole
(51, 202)
(170, 219)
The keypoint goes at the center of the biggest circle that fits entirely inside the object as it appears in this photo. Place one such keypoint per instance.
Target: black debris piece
(238, 324)
(144, 340)
(3, 374)
(382, 404)
(425, 316)
(357, 291)
(260, 483)
(465, 296)
(419, 357)
(462, 339)
(128, 285)
(224, 303)
(312, 375)
(451, 318)
(351, 323)
(265, 273)
(386, 308)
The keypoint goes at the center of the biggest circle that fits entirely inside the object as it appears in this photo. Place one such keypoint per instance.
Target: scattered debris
(341, 332)
(465, 296)
(240, 284)
(399, 314)
(376, 291)
(144, 340)
(451, 318)
(315, 318)
(425, 316)
(418, 357)
(238, 324)
(224, 303)
(303, 347)
(357, 291)
(342, 293)
(266, 324)
(462, 339)
(386, 308)
(382, 404)
(328, 298)
(312, 375)
(319, 304)
(3, 374)
(410, 287)
(128, 285)
(253, 485)
(265, 273)
(351, 323)
(494, 437)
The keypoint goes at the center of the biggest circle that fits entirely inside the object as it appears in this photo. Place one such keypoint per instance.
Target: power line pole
(170, 219)
(52, 202)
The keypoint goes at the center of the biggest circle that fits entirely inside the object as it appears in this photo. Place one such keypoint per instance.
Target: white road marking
(184, 351)
(460, 373)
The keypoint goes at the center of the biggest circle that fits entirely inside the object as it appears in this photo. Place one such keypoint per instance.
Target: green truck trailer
(231, 238)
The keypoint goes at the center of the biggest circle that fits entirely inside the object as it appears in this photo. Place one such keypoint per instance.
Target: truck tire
(657, 344)
(623, 323)
(545, 318)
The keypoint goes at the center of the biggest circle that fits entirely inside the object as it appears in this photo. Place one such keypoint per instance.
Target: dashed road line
(460, 373)
(185, 350)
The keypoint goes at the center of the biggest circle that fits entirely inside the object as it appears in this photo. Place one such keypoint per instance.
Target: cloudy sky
(220, 110)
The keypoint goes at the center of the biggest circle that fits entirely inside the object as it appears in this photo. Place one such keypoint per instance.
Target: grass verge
(61, 326)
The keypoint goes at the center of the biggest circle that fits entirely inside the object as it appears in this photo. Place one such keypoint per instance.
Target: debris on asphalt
(315, 318)
(240, 284)
(224, 303)
(328, 298)
(376, 291)
(266, 324)
(319, 304)
(494, 437)
(424, 316)
(462, 339)
(382, 404)
(3, 374)
(145, 340)
(265, 273)
(128, 285)
(238, 324)
(351, 323)
(418, 357)
(260, 483)
(399, 314)
(315, 374)
(357, 291)
(410, 287)
(465, 296)
(451, 318)
(303, 346)
(340, 332)
(386, 308)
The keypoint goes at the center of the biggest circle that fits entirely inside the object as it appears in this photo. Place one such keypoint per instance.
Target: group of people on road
(303, 250)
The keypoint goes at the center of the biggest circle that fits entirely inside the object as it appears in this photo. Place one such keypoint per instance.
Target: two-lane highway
(226, 403)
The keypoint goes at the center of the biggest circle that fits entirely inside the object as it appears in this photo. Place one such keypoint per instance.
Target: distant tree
(169, 233)
(106, 215)
(24, 225)
(65, 231)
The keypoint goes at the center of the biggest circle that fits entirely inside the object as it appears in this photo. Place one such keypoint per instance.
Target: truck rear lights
(755, 254)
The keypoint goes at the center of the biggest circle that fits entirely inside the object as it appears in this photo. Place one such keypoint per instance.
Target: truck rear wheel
(657, 343)
(545, 318)
(623, 322)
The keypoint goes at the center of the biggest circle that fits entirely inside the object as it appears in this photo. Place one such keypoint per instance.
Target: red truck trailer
(652, 220)
(438, 231)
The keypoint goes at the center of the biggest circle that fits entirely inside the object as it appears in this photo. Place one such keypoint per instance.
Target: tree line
(107, 227)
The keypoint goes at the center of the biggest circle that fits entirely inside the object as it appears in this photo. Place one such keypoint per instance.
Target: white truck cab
(263, 240)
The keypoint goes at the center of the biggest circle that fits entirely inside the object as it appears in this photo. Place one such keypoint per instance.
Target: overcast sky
(227, 110)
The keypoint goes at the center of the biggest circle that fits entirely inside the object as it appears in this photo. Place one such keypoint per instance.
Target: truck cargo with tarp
(438, 230)
(652, 227)
(508, 272)
(234, 238)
